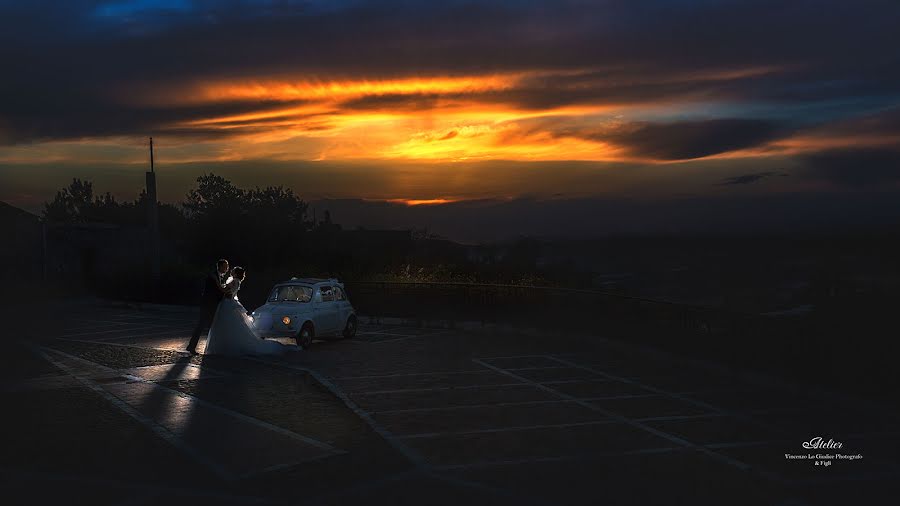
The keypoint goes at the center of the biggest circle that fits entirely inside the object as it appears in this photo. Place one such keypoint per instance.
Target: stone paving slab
(597, 388)
(821, 420)
(522, 362)
(40, 383)
(689, 380)
(173, 372)
(71, 435)
(454, 397)
(484, 417)
(584, 440)
(562, 373)
(420, 489)
(405, 382)
(230, 444)
(502, 418)
(715, 430)
(650, 406)
(683, 477)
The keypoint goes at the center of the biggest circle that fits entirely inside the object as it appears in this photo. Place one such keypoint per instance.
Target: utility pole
(153, 222)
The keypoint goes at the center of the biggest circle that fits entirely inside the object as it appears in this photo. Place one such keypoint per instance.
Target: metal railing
(540, 306)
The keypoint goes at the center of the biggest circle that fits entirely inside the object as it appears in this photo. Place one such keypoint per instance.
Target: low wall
(829, 347)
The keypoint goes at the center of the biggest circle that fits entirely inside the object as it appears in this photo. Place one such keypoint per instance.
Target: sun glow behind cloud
(286, 90)
(437, 118)
(429, 100)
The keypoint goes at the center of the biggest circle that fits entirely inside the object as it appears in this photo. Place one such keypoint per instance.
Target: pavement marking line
(204, 368)
(391, 334)
(133, 322)
(146, 488)
(675, 418)
(288, 465)
(540, 368)
(77, 334)
(140, 499)
(144, 420)
(671, 395)
(405, 338)
(568, 381)
(249, 419)
(107, 322)
(471, 406)
(403, 375)
(514, 356)
(125, 316)
(388, 328)
(162, 333)
(618, 417)
(520, 499)
(508, 404)
(365, 486)
(331, 451)
(568, 458)
(413, 456)
(133, 331)
(95, 326)
(440, 373)
(430, 435)
(556, 426)
(122, 345)
(468, 387)
(604, 455)
(432, 389)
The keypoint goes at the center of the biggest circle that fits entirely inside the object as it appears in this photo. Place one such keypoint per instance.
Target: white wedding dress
(231, 332)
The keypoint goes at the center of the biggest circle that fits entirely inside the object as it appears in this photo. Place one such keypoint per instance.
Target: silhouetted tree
(263, 225)
(76, 203)
(71, 204)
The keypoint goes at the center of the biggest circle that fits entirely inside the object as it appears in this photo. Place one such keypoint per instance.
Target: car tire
(350, 327)
(304, 338)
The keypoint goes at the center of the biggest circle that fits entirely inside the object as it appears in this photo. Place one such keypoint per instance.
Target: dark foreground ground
(99, 407)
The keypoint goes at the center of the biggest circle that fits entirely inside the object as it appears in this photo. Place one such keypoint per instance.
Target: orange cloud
(423, 202)
(496, 116)
(343, 89)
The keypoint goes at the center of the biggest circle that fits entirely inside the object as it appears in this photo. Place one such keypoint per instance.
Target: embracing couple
(230, 328)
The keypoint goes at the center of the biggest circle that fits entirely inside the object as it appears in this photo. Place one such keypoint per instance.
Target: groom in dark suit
(213, 291)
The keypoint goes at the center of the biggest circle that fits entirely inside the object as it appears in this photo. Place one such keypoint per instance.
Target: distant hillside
(11, 215)
(20, 249)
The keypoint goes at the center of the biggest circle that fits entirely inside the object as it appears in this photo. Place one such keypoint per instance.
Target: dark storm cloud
(694, 139)
(680, 140)
(67, 62)
(749, 178)
(885, 122)
(856, 168)
(52, 115)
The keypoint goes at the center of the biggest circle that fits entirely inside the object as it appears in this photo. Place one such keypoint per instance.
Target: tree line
(266, 226)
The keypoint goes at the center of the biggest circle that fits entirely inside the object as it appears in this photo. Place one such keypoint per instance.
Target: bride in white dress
(231, 331)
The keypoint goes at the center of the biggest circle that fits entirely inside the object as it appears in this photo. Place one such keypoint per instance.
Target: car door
(343, 307)
(326, 311)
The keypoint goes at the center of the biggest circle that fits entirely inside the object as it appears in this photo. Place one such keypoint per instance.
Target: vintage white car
(306, 308)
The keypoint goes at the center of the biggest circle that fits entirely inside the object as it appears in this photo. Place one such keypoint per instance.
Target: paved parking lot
(433, 416)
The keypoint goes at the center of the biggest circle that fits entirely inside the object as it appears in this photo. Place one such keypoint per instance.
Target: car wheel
(350, 328)
(305, 336)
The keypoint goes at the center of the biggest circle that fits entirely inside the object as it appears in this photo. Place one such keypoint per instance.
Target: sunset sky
(463, 106)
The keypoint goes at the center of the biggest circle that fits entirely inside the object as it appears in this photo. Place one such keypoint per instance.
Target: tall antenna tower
(153, 220)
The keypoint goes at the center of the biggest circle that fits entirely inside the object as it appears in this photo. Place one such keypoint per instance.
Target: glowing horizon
(413, 97)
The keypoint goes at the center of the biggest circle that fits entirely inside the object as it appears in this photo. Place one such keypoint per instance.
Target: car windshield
(291, 293)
